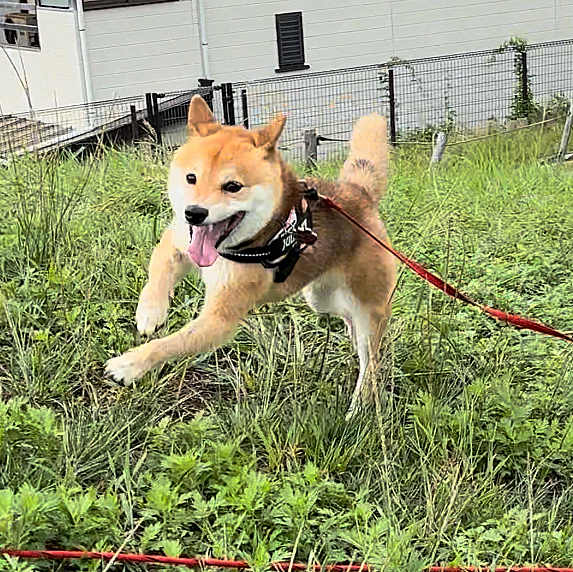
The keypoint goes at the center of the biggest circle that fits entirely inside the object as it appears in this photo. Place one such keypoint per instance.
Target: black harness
(284, 248)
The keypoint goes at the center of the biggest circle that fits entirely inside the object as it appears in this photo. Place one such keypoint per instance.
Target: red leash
(497, 569)
(447, 288)
(241, 565)
(180, 561)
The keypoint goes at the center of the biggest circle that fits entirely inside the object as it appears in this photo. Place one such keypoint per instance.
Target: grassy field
(466, 457)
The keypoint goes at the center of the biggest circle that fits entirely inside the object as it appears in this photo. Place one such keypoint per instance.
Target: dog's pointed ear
(200, 119)
(269, 135)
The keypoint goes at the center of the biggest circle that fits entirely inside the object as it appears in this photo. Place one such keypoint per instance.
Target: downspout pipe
(88, 95)
(203, 41)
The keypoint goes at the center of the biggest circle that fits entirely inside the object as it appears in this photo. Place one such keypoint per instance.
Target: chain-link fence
(328, 103)
(464, 95)
(51, 128)
(550, 76)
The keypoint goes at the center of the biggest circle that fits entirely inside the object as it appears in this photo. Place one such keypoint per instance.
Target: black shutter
(290, 41)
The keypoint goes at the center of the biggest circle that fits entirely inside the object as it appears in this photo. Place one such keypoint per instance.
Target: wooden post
(310, 147)
(566, 134)
(440, 141)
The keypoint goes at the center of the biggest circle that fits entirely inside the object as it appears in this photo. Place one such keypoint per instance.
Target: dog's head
(225, 182)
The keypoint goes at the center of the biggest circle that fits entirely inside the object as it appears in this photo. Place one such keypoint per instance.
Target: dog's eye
(191, 178)
(232, 187)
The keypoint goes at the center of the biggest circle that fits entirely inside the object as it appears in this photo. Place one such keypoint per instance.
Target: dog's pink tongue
(202, 248)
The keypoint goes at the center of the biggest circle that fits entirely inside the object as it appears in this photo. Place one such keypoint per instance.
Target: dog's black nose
(196, 214)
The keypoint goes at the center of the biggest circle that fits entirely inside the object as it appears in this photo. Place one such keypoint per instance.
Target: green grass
(466, 457)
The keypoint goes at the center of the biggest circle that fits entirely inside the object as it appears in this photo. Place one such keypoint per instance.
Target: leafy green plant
(523, 104)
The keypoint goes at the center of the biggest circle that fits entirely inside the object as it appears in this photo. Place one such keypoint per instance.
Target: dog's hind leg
(167, 266)
(368, 326)
(360, 293)
(371, 280)
(332, 295)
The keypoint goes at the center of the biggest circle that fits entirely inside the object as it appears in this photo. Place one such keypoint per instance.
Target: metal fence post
(208, 97)
(153, 114)
(524, 84)
(231, 103)
(134, 129)
(392, 97)
(149, 108)
(226, 119)
(245, 108)
(566, 134)
(228, 103)
(157, 116)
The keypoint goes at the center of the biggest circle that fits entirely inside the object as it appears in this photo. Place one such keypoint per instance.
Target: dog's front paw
(151, 312)
(125, 368)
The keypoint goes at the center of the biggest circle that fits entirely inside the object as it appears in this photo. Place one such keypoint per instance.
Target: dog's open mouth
(206, 238)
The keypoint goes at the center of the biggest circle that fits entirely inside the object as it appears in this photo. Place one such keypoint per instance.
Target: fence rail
(461, 94)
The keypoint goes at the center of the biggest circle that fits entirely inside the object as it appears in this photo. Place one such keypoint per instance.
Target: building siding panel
(155, 47)
(54, 72)
(341, 34)
(138, 49)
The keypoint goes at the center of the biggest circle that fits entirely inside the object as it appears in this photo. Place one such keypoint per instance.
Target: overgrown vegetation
(523, 105)
(467, 456)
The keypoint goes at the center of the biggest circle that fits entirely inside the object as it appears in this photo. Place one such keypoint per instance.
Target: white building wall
(53, 73)
(345, 33)
(155, 47)
(139, 49)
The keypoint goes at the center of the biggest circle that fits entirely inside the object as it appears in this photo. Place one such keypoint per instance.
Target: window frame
(46, 4)
(106, 4)
(285, 66)
(20, 11)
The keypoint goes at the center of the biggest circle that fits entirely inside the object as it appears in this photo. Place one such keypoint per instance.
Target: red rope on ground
(189, 562)
(497, 569)
(450, 290)
(241, 565)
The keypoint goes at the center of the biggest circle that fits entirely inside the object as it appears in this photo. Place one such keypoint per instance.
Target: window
(63, 4)
(290, 42)
(100, 4)
(19, 24)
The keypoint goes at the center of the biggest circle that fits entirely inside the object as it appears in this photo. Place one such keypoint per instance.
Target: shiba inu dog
(234, 201)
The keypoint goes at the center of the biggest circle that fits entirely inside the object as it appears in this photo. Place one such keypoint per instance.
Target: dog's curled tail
(367, 163)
